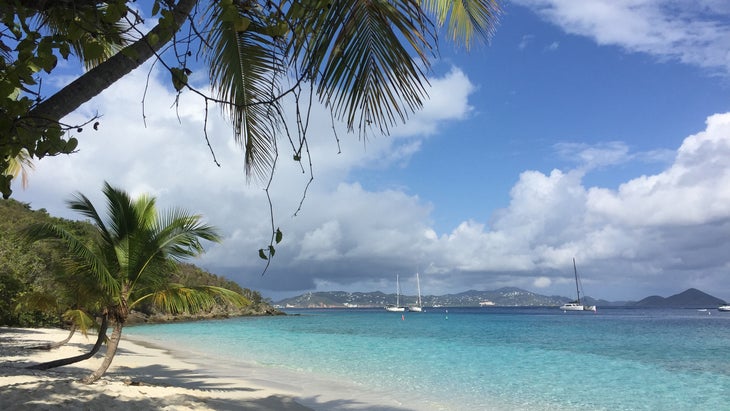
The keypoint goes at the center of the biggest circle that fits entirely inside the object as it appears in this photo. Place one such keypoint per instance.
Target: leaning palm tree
(130, 260)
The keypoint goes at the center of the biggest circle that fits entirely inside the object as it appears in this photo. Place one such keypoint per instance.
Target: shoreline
(146, 376)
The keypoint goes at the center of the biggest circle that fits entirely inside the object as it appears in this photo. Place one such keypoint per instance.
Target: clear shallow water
(489, 358)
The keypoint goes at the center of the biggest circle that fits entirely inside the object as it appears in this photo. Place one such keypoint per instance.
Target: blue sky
(595, 130)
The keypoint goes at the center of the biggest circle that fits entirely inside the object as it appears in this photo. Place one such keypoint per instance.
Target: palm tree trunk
(71, 360)
(111, 350)
(96, 80)
(51, 346)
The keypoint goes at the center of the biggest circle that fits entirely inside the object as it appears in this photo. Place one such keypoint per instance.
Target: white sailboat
(577, 305)
(419, 305)
(397, 307)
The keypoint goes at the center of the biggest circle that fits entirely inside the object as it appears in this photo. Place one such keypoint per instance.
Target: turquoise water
(489, 358)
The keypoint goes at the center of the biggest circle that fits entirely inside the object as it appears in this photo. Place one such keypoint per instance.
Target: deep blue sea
(488, 358)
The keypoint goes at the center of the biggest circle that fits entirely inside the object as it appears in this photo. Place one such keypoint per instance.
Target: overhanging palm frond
(244, 70)
(180, 299)
(465, 19)
(370, 56)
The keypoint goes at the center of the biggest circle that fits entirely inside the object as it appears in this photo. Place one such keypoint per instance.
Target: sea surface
(487, 358)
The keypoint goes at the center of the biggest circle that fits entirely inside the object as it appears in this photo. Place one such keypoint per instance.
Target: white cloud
(696, 33)
(694, 190)
(672, 224)
(542, 282)
(525, 42)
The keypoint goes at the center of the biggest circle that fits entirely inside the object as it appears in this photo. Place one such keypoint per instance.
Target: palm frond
(364, 52)
(180, 299)
(81, 204)
(465, 18)
(85, 260)
(121, 210)
(83, 321)
(244, 69)
(20, 165)
(179, 234)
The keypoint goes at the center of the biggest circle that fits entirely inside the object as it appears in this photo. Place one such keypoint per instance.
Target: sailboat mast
(577, 289)
(418, 284)
(397, 291)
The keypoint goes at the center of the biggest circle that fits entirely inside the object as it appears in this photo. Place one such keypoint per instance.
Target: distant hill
(692, 298)
(503, 297)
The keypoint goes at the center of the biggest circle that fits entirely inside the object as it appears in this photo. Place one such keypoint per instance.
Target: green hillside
(27, 269)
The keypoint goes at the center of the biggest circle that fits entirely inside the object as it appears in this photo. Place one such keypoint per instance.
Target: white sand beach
(143, 377)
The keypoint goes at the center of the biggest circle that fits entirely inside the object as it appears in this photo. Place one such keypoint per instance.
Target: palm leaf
(82, 258)
(83, 321)
(244, 69)
(180, 299)
(20, 165)
(465, 19)
(364, 53)
(179, 234)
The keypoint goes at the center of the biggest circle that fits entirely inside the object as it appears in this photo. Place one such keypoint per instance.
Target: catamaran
(419, 305)
(577, 305)
(397, 307)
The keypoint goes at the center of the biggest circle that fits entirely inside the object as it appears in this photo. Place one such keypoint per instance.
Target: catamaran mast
(577, 289)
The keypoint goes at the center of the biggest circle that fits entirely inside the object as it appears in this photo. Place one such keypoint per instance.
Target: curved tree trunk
(107, 73)
(111, 350)
(71, 360)
(51, 346)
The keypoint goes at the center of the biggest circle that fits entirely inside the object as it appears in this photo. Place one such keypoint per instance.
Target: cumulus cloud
(693, 32)
(670, 225)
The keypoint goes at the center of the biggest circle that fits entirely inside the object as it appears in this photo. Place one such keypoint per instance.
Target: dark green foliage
(27, 268)
(30, 268)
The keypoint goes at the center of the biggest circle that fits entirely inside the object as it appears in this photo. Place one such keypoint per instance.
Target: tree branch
(96, 80)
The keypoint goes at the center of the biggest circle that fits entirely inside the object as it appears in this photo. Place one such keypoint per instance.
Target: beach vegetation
(128, 261)
(34, 294)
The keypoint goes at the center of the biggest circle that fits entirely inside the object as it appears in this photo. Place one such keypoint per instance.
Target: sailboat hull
(577, 307)
(415, 309)
(395, 309)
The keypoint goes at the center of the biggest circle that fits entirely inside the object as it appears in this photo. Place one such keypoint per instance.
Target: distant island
(503, 297)
(692, 298)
